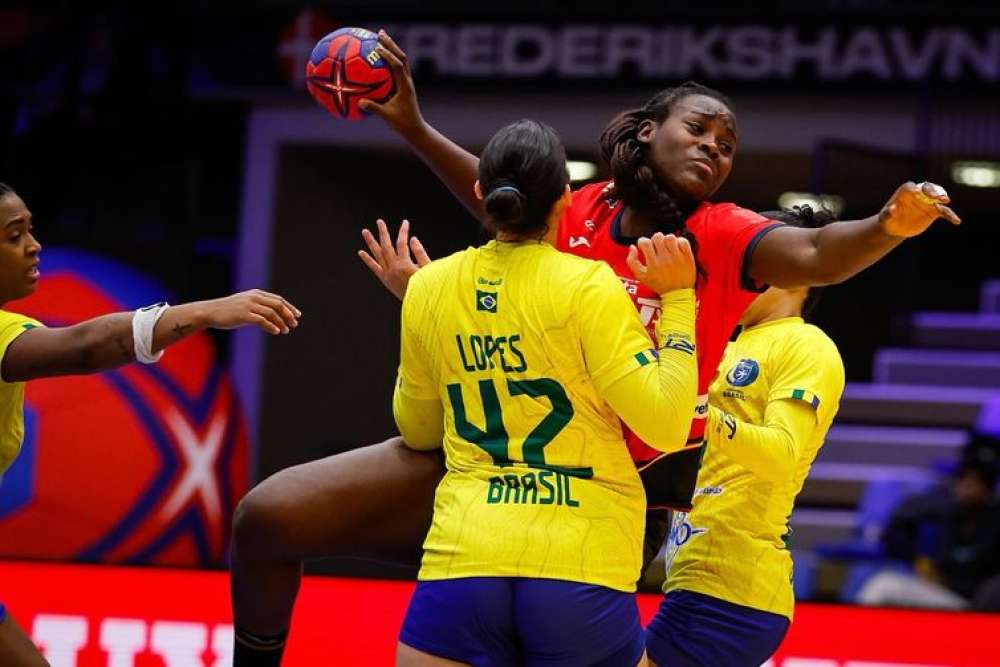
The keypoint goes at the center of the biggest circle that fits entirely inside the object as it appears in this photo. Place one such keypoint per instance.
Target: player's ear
(478, 189)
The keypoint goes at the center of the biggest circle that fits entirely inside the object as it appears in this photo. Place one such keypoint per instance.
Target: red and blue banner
(141, 465)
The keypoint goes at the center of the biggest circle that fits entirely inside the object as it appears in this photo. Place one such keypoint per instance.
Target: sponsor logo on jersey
(576, 241)
(743, 373)
(681, 532)
(589, 224)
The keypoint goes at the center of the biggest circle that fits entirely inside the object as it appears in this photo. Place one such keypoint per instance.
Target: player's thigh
(372, 501)
(16, 649)
(690, 630)
(565, 623)
(407, 656)
(469, 620)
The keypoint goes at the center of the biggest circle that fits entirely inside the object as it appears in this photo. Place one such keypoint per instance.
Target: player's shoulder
(571, 276)
(589, 194)
(8, 318)
(725, 214)
(590, 209)
(440, 271)
(443, 266)
(808, 343)
(571, 269)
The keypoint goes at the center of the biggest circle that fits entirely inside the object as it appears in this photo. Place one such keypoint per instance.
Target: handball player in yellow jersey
(523, 360)
(728, 595)
(29, 350)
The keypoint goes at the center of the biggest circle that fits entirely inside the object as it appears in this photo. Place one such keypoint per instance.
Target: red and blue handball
(344, 69)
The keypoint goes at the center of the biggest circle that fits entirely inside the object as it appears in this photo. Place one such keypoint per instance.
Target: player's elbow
(780, 467)
(671, 432)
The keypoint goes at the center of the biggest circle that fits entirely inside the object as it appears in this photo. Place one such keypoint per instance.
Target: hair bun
(505, 205)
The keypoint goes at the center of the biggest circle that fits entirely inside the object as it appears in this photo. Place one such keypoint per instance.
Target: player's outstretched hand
(913, 207)
(390, 263)
(669, 263)
(401, 111)
(255, 307)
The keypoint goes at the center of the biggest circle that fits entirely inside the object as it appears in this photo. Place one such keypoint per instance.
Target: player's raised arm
(109, 341)
(457, 168)
(792, 257)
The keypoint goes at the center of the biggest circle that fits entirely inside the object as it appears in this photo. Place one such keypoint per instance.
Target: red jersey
(726, 234)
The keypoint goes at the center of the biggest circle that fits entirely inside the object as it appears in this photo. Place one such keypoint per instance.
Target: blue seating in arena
(896, 437)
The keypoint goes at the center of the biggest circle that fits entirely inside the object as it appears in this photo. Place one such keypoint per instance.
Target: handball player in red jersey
(666, 159)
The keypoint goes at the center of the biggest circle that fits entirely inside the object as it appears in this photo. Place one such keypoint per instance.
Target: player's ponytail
(522, 173)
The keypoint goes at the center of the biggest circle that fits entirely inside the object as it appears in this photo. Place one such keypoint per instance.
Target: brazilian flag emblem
(486, 301)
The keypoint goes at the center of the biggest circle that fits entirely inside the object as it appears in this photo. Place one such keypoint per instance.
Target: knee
(260, 524)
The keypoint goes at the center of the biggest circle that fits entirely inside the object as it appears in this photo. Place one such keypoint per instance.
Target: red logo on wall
(297, 41)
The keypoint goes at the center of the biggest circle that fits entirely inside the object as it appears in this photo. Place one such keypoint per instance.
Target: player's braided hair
(635, 182)
(807, 217)
(522, 173)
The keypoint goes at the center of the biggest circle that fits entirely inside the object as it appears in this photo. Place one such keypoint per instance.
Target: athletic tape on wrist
(143, 322)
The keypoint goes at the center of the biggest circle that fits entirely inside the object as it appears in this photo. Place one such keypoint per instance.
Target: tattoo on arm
(181, 330)
(127, 354)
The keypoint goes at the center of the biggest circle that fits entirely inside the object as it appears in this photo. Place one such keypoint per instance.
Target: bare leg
(16, 649)
(376, 501)
(407, 656)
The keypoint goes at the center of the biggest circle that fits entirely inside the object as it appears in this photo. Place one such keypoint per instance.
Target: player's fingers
(403, 239)
(372, 265)
(263, 323)
(397, 66)
(271, 316)
(684, 248)
(282, 300)
(632, 259)
(934, 192)
(648, 250)
(368, 106)
(949, 214)
(373, 245)
(392, 46)
(385, 241)
(419, 253)
(282, 309)
(668, 245)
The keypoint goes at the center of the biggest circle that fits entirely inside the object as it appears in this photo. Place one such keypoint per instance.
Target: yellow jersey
(517, 344)
(12, 325)
(776, 394)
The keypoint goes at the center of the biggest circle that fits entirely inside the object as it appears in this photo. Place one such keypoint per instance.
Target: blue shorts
(3, 612)
(690, 629)
(487, 621)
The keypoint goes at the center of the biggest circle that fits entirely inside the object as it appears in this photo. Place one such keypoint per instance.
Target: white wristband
(143, 322)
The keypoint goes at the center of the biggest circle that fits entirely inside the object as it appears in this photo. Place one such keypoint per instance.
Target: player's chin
(28, 288)
(695, 187)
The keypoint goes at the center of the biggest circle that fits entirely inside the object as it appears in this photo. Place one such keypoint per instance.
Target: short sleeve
(574, 217)
(415, 378)
(732, 234)
(613, 339)
(13, 325)
(810, 370)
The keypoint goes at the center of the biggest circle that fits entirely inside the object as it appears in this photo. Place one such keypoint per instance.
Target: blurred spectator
(951, 539)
